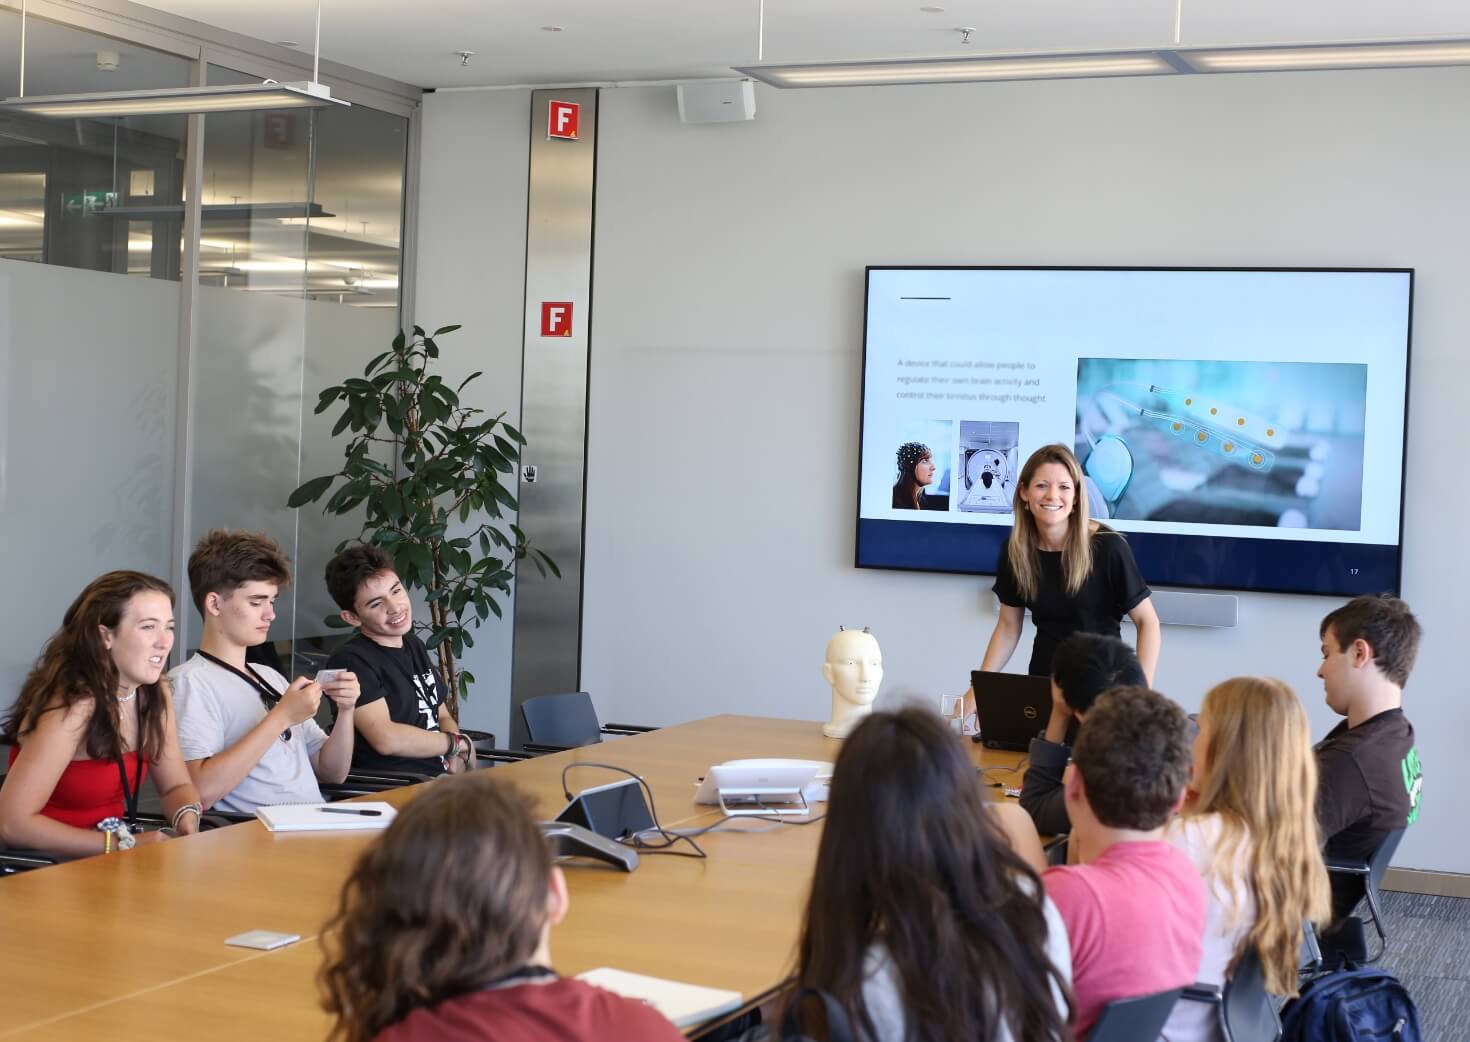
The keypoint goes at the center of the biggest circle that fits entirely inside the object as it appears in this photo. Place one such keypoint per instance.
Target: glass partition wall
(134, 416)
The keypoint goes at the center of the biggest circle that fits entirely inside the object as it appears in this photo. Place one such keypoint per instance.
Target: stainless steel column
(548, 611)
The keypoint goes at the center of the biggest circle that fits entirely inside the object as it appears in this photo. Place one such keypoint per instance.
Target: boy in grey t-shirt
(248, 737)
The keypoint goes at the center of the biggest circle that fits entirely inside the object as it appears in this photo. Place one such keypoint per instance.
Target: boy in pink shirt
(1134, 905)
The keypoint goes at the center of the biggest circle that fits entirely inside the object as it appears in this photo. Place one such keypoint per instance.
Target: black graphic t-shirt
(404, 678)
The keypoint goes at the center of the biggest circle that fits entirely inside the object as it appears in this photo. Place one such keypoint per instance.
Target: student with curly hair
(467, 958)
(1134, 906)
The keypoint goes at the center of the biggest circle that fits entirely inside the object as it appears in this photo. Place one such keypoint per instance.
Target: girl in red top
(463, 954)
(93, 718)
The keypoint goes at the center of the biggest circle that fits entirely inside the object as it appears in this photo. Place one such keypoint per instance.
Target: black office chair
(13, 862)
(1134, 1020)
(19, 859)
(1246, 1013)
(1310, 961)
(567, 721)
(1371, 872)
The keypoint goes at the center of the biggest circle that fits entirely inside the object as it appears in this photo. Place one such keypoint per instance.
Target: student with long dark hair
(922, 922)
(94, 717)
(463, 954)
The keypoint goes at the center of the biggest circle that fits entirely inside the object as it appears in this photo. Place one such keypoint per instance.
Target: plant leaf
(549, 563)
(311, 491)
(445, 329)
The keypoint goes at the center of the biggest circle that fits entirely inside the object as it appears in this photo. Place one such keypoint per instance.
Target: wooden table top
(138, 939)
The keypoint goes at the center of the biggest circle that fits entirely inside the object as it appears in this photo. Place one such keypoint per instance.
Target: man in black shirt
(401, 719)
(1369, 775)
(1084, 666)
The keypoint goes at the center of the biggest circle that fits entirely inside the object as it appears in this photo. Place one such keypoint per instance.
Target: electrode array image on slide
(1267, 444)
(1243, 427)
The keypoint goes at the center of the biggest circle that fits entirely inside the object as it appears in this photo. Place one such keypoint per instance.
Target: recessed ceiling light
(951, 70)
(551, 28)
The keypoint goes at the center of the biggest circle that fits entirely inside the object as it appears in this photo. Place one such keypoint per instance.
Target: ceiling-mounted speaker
(716, 101)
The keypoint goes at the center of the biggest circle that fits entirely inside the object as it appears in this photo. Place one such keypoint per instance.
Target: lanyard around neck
(268, 697)
(130, 795)
(522, 975)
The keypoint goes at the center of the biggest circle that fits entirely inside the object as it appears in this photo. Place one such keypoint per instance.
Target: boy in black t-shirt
(402, 721)
(1084, 666)
(1370, 778)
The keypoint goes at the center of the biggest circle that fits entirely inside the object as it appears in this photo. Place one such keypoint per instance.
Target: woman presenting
(1072, 572)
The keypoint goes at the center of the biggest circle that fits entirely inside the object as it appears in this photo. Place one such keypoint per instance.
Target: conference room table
(132, 945)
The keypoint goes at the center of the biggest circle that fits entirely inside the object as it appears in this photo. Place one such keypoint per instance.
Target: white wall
(471, 270)
(88, 362)
(726, 344)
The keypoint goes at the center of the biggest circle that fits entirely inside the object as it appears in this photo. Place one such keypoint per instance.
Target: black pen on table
(351, 810)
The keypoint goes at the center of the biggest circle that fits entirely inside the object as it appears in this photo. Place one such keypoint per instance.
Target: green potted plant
(439, 516)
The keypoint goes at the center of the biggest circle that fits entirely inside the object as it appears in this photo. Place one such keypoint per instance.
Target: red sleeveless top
(90, 790)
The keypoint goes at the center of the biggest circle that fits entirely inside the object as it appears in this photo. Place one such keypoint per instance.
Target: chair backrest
(567, 720)
(1134, 1020)
(1379, 859)
(1248, 1011)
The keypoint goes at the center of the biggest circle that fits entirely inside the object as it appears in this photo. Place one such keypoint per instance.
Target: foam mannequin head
(854, 668)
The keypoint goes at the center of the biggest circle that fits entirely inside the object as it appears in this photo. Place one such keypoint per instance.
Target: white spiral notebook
(684, 1004)
(326, 817)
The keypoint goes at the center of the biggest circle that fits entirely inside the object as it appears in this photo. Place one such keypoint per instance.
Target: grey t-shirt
(881, 987)
(216, 709)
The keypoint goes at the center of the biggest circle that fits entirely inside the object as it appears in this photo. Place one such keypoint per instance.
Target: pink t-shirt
(1136, 920)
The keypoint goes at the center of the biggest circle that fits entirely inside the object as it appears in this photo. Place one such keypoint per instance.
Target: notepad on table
(684, 1004)
(326, 817)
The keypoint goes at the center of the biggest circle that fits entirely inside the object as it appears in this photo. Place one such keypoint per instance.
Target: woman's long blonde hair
(1258, 774)
(1021, 548)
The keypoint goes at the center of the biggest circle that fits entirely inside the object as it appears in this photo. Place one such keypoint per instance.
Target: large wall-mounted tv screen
(1244, 427)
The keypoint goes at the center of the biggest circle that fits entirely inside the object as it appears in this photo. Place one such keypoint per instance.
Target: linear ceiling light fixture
(1354, 56)
(1151, 62)
(248, 97)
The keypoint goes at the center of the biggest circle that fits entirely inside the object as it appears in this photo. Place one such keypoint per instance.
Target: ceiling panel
(666, 39)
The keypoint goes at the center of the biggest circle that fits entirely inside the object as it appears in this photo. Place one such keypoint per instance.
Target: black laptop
(1013, 708)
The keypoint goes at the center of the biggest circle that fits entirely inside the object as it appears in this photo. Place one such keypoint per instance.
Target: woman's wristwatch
(118, 834)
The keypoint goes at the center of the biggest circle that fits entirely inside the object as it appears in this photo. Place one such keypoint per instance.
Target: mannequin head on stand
(854, 668)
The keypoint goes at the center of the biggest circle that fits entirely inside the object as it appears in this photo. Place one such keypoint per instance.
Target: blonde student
(1248, 824)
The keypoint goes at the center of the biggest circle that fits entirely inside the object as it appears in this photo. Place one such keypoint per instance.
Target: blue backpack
(1352, 1005)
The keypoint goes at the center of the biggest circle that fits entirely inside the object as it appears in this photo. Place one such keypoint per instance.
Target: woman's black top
(1111, 590)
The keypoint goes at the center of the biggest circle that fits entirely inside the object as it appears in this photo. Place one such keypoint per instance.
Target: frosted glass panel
(88, 369)
(341, 340)
(247, 419)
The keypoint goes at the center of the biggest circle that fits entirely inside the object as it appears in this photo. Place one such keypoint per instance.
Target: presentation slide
(1222, 417)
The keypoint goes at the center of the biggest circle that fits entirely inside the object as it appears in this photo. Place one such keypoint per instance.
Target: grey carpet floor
(1429, 951)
